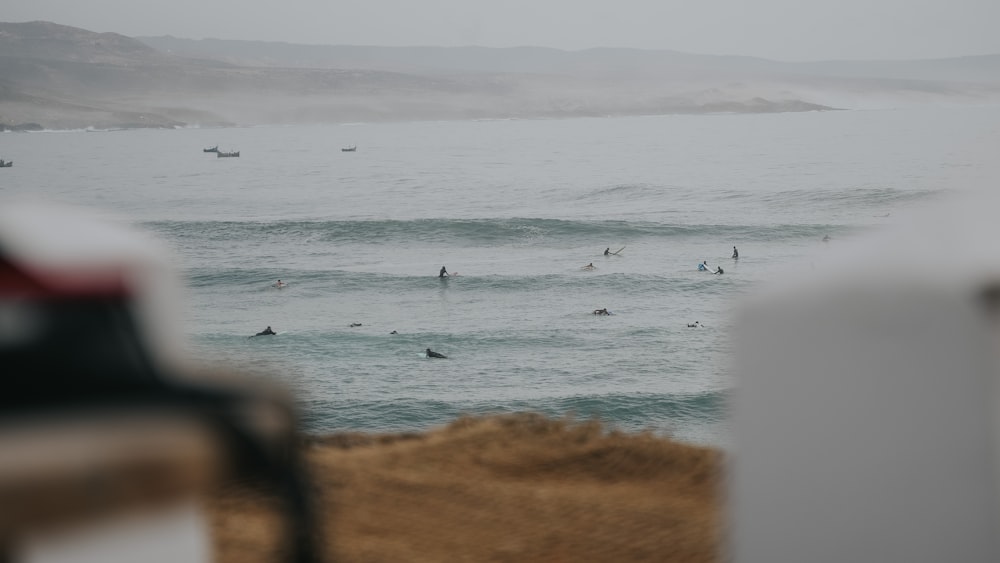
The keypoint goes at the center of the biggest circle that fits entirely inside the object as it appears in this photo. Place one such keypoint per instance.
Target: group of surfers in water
(443, 273)
(430, 353)
(703, 267)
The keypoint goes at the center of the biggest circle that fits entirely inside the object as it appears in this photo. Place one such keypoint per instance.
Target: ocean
(514, 209)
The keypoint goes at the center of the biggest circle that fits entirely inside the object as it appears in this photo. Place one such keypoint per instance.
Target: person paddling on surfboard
(266, 332)
(703, 267)
(433, 354)
(280, 284)
(443, 273)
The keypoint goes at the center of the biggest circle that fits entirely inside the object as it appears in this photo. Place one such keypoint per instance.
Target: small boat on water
(351, 148)
(6, 163)
(221, 154)
(211, 149)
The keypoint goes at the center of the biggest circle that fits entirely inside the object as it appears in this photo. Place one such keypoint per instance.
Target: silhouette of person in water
(588, 266)
(603, 311)
(280, 284)
(443, 273)
(703, 266)
(266, 332)
(718, 270)
(736, 254)
(433, 354)
(607, 251)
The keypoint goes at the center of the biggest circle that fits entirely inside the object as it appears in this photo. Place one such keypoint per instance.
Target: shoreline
(35, 127)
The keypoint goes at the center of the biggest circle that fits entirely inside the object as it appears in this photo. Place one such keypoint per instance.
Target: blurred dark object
(100, 418)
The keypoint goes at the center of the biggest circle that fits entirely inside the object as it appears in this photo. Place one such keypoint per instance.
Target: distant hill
(540, 60)
(50, 41)
(63, 77)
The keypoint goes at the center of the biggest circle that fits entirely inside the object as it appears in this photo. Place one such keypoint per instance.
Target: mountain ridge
(62, 77)
(984, 68)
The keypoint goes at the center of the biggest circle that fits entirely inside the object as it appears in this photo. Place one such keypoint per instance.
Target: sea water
(515, 210)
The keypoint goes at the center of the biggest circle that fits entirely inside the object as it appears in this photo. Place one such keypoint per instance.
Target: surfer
(355, 324)
(696, 324)
(703, 267)
(588, 266)
(718, 270)
(443, 273)
(280, 284)
(433, 354)
(736, 254)
(603, 311)
(394, 332)
(607, 251)
(266, 332)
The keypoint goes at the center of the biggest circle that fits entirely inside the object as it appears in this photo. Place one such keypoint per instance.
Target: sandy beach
(511, 488)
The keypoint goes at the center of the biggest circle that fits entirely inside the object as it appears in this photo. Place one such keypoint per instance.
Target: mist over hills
(543, 60)
(56, 77)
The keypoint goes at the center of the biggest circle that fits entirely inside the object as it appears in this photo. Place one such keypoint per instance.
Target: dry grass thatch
(511, 488)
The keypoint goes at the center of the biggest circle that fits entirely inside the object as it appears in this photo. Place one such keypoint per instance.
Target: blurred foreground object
(108, 441)
(866, 411)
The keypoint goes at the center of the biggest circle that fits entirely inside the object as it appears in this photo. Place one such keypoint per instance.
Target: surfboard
(617, 251)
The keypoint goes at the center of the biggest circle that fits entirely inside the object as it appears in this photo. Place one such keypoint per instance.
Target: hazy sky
(777, 29)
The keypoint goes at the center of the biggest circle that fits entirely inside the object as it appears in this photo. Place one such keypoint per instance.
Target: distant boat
(6, 164)
(221, 154)
(212, 149)
(351, 148)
